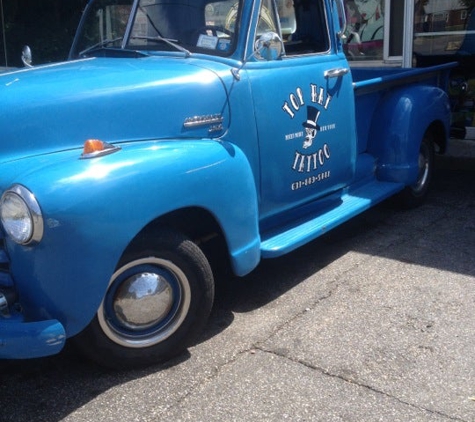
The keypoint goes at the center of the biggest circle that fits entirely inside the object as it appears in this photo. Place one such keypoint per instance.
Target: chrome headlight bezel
(21, 216)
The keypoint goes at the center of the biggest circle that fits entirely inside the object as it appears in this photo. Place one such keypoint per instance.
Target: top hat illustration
(312, 117)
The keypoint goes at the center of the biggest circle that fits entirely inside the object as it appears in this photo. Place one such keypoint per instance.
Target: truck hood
(57, 107)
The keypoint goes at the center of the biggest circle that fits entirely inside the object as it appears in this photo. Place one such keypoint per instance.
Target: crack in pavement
(359, 384)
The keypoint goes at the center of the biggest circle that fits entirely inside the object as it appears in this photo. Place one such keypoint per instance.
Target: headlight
(21, 215)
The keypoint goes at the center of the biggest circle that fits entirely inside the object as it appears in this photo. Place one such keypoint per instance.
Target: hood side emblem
(209, 119)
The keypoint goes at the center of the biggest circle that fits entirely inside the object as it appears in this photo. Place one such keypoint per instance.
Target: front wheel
(415, 194)
(156, 304)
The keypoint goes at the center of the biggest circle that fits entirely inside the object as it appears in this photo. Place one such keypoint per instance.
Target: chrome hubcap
(146, 302)
(143, 300)
(423, 174)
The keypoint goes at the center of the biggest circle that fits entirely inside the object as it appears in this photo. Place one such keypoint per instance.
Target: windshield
(187, 26)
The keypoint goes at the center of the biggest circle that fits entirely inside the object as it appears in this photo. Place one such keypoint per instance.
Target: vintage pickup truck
(179, 129)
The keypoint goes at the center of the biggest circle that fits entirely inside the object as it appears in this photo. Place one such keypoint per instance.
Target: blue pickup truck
(177, 130)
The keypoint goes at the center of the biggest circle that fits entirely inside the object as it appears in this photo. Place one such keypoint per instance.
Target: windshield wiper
(100, 44)
(159, 38)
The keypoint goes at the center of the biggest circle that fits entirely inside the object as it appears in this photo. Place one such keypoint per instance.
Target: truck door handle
(335, 73)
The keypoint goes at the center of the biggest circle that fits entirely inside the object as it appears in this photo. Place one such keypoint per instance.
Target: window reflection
(444, 27)
(365, 31)
(444, 31)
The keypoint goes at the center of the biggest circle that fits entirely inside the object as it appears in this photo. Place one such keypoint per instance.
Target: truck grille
(5, 277)
(8, 296)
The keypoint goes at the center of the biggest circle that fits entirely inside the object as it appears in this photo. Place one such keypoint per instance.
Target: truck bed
(379, 77)
(372, 83)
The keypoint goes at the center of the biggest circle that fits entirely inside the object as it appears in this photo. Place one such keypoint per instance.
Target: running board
(351, 203)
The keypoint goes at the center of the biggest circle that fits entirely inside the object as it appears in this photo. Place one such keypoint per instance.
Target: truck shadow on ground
(448, 215)
(50, 389)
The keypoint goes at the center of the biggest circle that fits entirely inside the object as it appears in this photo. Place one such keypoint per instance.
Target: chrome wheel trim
(424, 169)
(147, 307)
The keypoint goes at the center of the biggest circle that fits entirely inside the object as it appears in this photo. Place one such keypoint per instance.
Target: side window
(303, 25)
(267, 19)
(288, 24)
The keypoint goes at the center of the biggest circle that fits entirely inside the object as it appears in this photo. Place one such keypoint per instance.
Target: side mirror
(268, 46)
(26, 56)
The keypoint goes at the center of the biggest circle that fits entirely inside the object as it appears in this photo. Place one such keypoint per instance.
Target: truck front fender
(398, 126)
(93, 209)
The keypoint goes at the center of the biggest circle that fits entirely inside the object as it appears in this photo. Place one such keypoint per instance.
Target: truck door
(304, 109)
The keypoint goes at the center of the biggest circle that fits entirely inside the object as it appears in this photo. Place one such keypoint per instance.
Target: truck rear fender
(94, 209)
(398, 125)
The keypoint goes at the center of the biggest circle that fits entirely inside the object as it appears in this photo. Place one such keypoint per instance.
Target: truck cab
(296, 126)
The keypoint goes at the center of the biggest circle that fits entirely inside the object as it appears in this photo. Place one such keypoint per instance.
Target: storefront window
(444, 28)
(444, 31)
(365, 31)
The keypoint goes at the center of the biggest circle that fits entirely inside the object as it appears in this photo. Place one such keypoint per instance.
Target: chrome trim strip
(108, 150)
(203, 120)
(4, 309)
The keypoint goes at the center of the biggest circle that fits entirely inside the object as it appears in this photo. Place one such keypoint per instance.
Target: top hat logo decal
(311, 126)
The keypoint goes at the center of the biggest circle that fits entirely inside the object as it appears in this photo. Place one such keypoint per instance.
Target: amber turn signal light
(93, 145)
(97, 148)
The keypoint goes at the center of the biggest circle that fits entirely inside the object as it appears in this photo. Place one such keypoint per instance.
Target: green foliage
(47, 26)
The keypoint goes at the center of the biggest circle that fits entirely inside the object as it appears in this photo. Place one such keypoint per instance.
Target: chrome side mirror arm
(27, 56)
(269, 46)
